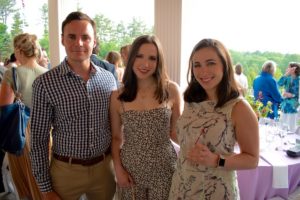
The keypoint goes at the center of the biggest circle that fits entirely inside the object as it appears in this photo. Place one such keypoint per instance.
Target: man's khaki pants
(70, 181)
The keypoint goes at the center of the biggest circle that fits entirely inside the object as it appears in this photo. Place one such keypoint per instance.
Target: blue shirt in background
(266, 89)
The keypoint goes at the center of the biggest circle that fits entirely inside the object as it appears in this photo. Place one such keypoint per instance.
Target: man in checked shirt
(73, 99)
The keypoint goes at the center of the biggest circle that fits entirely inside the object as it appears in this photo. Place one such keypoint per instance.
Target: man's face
(79, 41)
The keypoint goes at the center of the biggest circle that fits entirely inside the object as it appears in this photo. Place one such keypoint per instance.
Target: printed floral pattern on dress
(201, 122)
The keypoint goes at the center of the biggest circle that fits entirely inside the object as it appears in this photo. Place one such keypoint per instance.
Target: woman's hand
(51, 196)
(200, 154)
(290, 71)
(123, 178)
(288, 95)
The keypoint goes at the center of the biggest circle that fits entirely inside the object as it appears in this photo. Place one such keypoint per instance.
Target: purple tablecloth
(256, 184)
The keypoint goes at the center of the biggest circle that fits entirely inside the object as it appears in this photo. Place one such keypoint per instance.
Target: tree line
(252, 62)
(113, 35)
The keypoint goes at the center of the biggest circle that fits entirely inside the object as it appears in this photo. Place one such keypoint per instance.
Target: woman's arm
(7, 95)
(246, 129)
(247, 134)
(123, 177)
(176, 109)
(282, 81)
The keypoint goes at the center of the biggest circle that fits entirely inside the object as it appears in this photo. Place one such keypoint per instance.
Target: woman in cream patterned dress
(215, 117)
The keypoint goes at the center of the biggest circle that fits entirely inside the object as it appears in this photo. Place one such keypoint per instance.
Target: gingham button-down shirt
(77, 110)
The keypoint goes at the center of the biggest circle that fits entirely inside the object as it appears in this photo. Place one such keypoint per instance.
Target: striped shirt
(78, 112)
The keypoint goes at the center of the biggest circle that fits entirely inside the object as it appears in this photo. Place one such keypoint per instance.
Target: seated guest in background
(105, 65)
(114, 58)
(290, 82)
(72, 101)
(241, 79)
(124, 51)
(27, 52)
(212, 122)
(143, 116)
(266, 89)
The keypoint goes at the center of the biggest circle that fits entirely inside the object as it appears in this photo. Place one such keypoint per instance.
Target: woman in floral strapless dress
(215, 117)
(144, 112)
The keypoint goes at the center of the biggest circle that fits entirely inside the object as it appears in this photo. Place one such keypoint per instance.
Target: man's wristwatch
(221, 162)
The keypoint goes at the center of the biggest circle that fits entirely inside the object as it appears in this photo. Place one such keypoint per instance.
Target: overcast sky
(248, 25)
(242, 25)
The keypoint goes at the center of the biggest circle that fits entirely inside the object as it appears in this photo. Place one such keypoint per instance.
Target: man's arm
(41, 115)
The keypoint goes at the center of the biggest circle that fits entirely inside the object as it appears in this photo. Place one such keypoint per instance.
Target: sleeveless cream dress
(213, 127)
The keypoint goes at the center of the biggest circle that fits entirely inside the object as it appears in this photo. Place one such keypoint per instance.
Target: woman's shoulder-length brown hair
(227, 88)
(129, 80)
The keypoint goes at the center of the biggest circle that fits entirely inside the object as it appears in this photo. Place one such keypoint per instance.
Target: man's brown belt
(84, 162)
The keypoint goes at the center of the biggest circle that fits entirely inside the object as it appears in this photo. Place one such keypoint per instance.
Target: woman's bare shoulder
(173, 87)
(243, 111)
(116, 93)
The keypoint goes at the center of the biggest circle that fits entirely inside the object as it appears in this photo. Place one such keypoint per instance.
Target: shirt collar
(65, 68)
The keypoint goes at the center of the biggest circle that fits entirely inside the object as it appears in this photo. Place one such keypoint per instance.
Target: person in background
(105, 65)
(114, 58)
(143, 115)
(2, 71)
(1, 61)
(241, 79)
(265, 88)
(124, 51)
(44, 60)
(2, 153)
(72, 101)
(212, 122)
(27, 52)
(289, 106)
(13, 62)
(6, 62)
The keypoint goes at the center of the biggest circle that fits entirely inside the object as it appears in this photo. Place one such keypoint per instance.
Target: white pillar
(188, 39)
(58, 10)
(168, 29)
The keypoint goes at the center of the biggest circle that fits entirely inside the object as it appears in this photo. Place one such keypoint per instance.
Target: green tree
(104, 28)
(112, 36)
(121, 34)
(17, 26)
(136, 28)
(253, 61)
(6, 8)
(44, 41)
(78, 7)
(5, 42)
(44, 11)
(106, 47)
